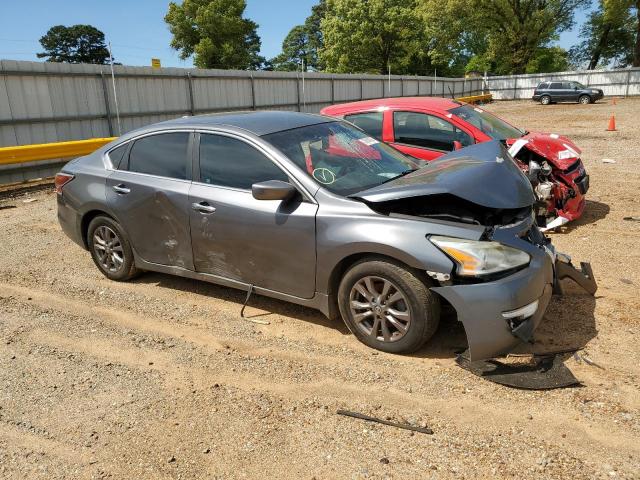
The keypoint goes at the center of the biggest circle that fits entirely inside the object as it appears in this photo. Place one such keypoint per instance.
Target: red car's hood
(549, 146)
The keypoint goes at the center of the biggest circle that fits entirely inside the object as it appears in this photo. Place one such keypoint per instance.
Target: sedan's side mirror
(273, 190)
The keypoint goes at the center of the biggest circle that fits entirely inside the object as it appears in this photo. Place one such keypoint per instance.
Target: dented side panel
(155, 215)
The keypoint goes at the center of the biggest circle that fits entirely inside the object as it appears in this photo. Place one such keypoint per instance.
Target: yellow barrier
(476, 98)
(48, 151)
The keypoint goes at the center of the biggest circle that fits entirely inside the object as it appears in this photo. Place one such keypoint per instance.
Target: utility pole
(115, 94)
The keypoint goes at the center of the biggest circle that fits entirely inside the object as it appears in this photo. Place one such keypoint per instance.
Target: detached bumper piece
(546, 374)
(583, 277)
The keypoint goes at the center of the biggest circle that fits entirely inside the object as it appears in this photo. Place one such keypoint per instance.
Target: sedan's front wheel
(110, 249)
(387, 306)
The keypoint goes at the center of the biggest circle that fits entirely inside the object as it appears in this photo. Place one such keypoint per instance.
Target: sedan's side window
(164, 155)
(370, 122)
(117, 154)
(427, 131)
(229, 162)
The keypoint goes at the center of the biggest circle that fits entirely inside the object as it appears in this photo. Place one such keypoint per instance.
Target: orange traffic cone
(612, 124)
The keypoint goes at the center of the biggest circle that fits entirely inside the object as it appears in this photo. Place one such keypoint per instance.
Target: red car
(428, 127)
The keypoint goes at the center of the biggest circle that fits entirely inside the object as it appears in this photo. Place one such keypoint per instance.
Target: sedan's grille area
(535, 236)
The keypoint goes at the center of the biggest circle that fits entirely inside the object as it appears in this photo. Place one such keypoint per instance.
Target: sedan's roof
(260, 123)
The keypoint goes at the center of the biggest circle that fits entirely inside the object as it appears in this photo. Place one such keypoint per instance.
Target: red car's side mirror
(457, 145)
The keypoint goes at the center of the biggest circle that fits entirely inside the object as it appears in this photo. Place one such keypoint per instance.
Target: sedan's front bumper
(480, 308)
(487, 309)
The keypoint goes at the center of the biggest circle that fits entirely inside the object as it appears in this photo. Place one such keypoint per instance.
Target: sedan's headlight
(480, 258)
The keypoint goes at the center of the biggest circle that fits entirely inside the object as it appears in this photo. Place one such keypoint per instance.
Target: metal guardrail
(476, 98)
(48, 151)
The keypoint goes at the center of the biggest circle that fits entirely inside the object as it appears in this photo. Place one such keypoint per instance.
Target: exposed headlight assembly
(475, 258)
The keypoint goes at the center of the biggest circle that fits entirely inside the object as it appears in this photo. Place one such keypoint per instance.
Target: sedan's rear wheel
(110, 249)
(584, 99)
(387, 306)
(545, 100)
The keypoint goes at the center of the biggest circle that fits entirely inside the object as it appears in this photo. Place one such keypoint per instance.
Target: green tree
(549, 59)
(370, 35)
(455, 40)
(605, 39)
(75, 44)
(303, 42)
(215, 33)
(616, 10)
(516, 30)
(296, 49)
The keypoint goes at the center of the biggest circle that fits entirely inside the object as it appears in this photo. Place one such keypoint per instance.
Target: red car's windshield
(340, 157)
(491, 125)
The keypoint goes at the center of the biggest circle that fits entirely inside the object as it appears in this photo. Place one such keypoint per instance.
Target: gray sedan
(312, 210)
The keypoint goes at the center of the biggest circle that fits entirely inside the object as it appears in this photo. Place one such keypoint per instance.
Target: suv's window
(568, 85)
(370, 122)
(428, 131)
(228, 162)
(542, 85)
(164, 155)
(116, 155)
(555, 85)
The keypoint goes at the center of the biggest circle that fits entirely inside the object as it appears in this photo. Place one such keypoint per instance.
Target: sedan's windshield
(340, 157)
(489, 124)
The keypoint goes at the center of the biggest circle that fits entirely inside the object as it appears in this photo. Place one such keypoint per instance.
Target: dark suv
(553, 92)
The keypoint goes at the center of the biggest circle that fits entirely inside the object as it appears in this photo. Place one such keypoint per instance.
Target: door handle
(122, 188)
(203, 207)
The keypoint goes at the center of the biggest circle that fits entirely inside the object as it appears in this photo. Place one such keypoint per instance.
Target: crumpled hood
(483, 174)
(547, 145)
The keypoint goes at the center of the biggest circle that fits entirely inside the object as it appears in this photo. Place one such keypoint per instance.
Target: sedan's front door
(149, 196)
(266, 243)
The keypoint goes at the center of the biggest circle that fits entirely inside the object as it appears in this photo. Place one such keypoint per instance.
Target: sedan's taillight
(61, 180)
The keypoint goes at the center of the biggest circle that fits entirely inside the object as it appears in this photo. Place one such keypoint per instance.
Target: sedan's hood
(484, 174)
(558, 150)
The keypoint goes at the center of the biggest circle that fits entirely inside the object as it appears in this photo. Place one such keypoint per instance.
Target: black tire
(120, 272)
(545, 99)
(584, 99)
(422, 305)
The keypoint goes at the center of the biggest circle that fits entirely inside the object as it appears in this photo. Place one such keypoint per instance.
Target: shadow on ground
(272, 305)
(593, 212)
(569, 323)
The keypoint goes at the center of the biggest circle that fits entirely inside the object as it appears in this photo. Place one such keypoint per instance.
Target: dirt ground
(161, 378)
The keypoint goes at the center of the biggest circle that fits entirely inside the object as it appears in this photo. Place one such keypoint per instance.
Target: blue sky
(137, 30)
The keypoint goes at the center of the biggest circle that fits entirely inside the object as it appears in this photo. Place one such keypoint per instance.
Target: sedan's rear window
(164, 155)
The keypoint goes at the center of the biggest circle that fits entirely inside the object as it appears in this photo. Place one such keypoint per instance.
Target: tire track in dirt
(461, 412)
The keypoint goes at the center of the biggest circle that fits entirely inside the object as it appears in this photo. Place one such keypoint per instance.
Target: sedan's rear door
(270, 244)
(149, 195)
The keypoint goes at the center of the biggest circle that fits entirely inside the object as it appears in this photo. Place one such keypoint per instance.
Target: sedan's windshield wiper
(401, 174)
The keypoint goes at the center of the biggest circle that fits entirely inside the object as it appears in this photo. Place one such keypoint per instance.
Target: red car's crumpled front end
(557, 173)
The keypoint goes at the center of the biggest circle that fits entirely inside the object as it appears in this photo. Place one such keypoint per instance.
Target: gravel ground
(161, 378)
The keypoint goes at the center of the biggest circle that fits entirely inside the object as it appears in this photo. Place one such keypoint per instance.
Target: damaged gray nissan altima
(313, 211)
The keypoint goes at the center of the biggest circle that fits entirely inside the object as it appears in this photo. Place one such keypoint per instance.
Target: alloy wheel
(584, 100)
(108, 248)
(379, 309)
